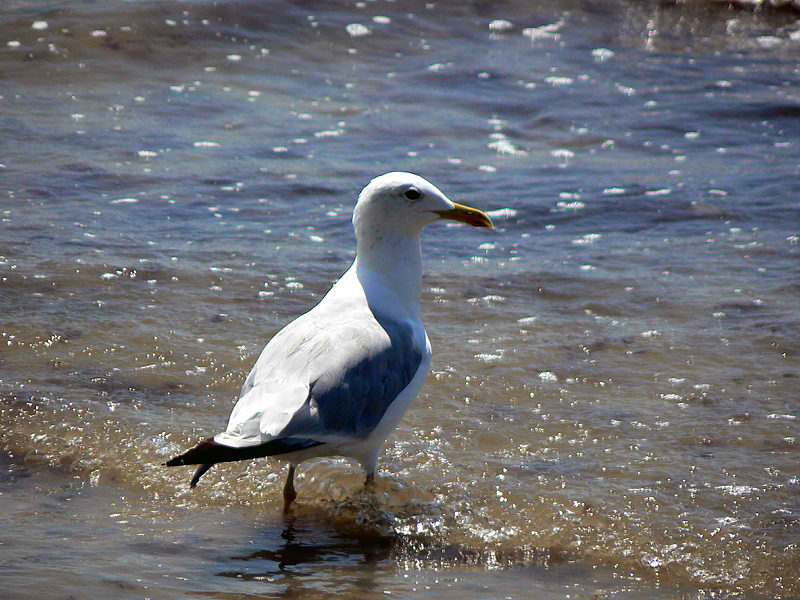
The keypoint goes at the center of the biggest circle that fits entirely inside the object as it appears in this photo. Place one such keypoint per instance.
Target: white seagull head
(405, 203)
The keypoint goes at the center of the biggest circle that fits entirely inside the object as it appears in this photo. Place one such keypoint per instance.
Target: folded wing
(325, 381)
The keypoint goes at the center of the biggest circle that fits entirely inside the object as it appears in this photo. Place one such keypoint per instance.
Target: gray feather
(351, 396)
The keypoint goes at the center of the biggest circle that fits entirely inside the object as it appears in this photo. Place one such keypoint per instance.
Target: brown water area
(612, 409)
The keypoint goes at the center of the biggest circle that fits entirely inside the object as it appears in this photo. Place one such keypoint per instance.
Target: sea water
(613, 402)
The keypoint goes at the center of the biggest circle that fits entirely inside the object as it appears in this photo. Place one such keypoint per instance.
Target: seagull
(338, 379)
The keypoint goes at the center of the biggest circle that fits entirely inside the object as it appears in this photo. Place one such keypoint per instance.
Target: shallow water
(613, 402)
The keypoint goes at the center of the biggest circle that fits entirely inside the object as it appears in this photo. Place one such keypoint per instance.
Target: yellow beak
(468, 215)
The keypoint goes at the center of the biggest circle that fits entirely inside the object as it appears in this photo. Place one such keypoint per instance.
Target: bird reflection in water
(300, 558)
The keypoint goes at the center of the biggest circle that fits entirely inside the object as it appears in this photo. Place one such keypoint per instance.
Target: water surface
(612, 407)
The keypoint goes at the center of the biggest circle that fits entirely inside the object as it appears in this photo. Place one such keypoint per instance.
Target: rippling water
(613, 404)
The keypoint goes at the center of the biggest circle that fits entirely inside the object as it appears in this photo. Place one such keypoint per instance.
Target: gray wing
(367, 365)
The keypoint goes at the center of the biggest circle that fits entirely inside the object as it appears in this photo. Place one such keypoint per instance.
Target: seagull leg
(369, 483)
(288, 490)
(370, 465)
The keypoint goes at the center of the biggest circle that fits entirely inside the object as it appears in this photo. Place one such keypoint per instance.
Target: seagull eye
(412, 194)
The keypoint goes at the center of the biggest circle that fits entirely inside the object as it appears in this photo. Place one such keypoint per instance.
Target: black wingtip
(204, 452)
(201, 470)
(208, 453)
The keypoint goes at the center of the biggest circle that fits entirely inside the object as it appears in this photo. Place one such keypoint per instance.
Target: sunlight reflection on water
(614, 369)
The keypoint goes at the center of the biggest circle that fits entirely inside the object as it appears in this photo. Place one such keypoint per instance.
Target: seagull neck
(391, 261)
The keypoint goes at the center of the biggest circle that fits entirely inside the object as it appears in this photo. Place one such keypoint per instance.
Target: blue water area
(615, 366)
